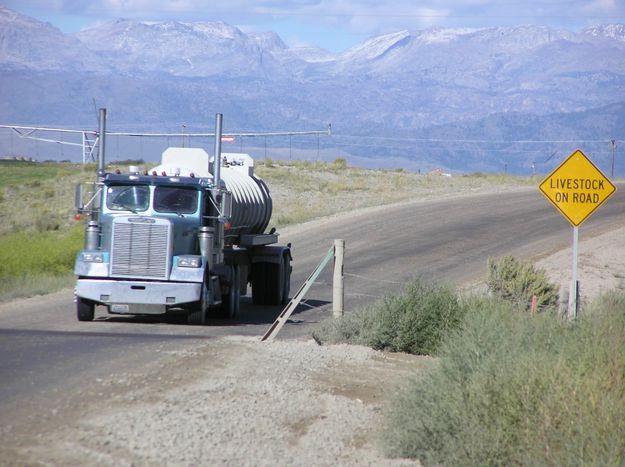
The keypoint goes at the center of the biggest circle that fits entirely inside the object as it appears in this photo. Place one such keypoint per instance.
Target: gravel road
(232, 401)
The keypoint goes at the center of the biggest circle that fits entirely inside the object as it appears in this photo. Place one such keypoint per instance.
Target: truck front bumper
(141, 296)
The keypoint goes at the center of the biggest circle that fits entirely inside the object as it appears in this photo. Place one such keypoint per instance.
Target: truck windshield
(175, 199)
(128, 197)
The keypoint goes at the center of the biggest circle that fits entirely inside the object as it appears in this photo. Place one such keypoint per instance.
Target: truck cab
(177, 237)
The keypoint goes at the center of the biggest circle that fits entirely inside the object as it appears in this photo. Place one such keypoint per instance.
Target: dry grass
(38, 198)
(303, 190)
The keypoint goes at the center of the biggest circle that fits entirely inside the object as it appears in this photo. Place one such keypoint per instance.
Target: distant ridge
(469, 84)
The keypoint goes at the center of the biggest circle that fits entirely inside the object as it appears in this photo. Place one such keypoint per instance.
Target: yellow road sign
(577, 188)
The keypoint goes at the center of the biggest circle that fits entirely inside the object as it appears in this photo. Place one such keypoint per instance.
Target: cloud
(363, 17)
(600, 6)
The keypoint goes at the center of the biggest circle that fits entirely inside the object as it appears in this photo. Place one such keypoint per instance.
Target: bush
(52, 252)
(339, 163)
(517, 282)
(518, 389)
(37, 263)
(414, 322)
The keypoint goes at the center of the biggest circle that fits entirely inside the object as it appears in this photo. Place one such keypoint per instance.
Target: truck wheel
(268, 283)
(199, 316)
(232, 301)
(286, 287)
(85, 310)
(259, 283)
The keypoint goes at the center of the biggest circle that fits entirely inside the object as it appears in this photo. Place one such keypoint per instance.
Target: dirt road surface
(136, 392)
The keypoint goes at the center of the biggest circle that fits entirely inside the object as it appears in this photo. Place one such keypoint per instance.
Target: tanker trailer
(188, 235)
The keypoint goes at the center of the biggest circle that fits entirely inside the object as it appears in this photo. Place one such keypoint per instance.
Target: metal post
(572, 314)
(338, 292)
(84, 147)
(613, 155)
(217, 164)
(219, 233)
(102, 142)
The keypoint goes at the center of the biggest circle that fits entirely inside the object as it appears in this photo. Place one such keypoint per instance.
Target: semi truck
(187, 235)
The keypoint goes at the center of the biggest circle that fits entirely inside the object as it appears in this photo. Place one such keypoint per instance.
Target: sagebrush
(415, 321)
(518, 282)
(519, 389)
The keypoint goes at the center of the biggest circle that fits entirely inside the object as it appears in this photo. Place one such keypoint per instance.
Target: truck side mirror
(86, 197)
(78, 198)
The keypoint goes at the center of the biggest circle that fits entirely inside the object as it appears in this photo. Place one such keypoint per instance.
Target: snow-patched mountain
(26, 43)
(196, 49)
(311, 54)
(267, 40)
(607, 31)
(495, 82)
(454, 50)
(179, 48)
(377, 47)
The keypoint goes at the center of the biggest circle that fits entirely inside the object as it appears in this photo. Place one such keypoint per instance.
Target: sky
(334, 25)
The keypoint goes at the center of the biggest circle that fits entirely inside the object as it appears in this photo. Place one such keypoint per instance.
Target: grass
(22, 253)
(38, 198)
(16, 173)
(39, 237)
(519, 389)
(37, 263)
(34, 284)
(305, 190)
(508, 387)
(415, 321)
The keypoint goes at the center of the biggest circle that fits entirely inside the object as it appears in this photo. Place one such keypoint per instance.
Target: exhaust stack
(217, 164)
(102, 142)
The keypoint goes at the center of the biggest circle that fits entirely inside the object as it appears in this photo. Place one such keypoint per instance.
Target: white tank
(251, 201)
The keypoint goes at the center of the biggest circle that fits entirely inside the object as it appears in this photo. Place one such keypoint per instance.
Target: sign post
(576, 188)
(574, 293)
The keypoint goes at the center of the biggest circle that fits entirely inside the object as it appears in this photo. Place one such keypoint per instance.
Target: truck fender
(271, 254)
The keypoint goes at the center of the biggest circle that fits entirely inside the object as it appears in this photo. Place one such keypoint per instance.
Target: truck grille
(140, 248)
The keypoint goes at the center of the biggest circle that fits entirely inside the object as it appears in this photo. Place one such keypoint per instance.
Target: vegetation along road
(47, 355)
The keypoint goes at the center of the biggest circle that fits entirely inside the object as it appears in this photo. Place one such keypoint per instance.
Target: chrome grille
(140, 248)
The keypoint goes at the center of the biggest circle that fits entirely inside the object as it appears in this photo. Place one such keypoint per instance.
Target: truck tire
(198, 316)
(286, 287)
(268, 283)
(232, 300)
(259, 277)
(85, 309)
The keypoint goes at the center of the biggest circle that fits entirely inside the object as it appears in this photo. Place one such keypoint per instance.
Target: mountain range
(462, 99)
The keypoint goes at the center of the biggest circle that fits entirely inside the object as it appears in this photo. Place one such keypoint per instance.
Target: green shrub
(37, 263)
(518, 389)
(339, 163)
(51, 252)
(414, 322)
(517, 282)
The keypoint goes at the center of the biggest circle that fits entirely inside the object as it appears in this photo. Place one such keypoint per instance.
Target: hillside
(386, 97)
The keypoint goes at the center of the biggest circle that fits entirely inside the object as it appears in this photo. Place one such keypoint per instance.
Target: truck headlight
(189, 261)
(92, 257)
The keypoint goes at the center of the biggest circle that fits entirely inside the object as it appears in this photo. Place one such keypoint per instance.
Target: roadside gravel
(234, 401)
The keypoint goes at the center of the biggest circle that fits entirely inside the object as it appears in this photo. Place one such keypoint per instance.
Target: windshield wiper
(126, 207)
